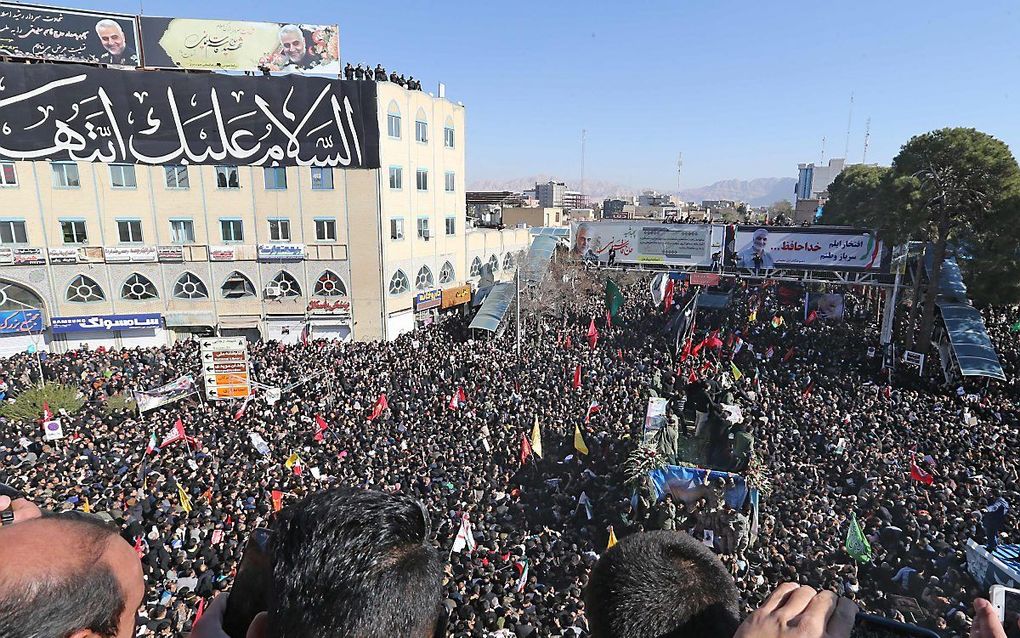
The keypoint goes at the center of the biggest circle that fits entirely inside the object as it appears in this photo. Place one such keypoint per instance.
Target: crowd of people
(378, 74)
(834, 438)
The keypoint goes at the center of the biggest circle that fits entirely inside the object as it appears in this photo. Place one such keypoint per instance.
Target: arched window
(283, 285)
(139, 288)
(189, 286)
(399, 283)
(446, 273)
(421, 127)
(393, 120)
(15, 297)
(329, 284)
(494, 263)
(476, 267)
(508, 261)
(424, 280)
(237, 286)
(83, 289)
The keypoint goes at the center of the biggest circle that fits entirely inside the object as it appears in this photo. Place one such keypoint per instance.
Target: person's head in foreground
(67, 576)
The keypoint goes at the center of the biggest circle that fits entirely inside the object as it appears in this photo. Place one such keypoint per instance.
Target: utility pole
(679, 169)
(517, 277)
(849, 121)
(584, 135)
(823, 151)
(867, 138)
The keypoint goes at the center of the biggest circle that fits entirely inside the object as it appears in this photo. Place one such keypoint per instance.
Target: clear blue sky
(744, 89)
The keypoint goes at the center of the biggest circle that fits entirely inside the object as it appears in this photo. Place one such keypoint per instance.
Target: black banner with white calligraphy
(49, 33)
(80, 113)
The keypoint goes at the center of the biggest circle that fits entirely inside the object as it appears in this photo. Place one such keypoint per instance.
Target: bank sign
(19, 321)
(105, 322)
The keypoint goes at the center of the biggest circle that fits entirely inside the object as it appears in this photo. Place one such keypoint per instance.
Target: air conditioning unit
(426, 235)
(272, 291)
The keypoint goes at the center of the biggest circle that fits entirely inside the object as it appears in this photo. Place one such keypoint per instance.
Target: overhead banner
(235, 45)
(65, 35)
(105, 322)
(88, 114)
(173, 391)
(647, 243)
(807, 248)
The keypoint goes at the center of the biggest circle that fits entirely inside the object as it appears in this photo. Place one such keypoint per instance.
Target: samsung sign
(104, 322)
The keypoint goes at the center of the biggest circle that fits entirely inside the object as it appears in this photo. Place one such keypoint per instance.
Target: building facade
(550, 194)
(124, 255)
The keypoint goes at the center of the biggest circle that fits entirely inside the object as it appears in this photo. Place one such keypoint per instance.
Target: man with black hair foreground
(348, 563)
(67, 576)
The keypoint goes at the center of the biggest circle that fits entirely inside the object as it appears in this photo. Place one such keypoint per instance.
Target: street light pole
(518, 286)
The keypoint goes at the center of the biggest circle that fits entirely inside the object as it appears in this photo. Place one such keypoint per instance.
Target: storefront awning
(182, 319)
(536, 264)
(495, 307)
(239, 322)
(971, 346)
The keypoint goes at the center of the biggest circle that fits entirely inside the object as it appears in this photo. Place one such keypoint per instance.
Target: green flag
(1015, 327)
(856, 544)
(614, 298)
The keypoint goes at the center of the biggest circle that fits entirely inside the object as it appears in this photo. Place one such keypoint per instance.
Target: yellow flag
(753, 316)
(87, 507)
(292, 460)
(536, 439)
(579, 444)
(185, 499)
(612, 538)
(736, 373)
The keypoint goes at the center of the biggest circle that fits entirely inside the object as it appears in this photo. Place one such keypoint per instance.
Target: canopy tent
(969, 342)
(951, 286)
(495, 307)
(536, 264)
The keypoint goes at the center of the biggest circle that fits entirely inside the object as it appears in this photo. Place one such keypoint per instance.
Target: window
(83, 290)
(494, 263)
(138, 288)
(189, 286)
(231, 230)
(421, 131)
(236, 286)
(397, 228)
(329, 285)
(448, 137)
(399, 283)
(423, 228)
(476, 267)
(283, 285)
(446, 273)
(279, 230)
(73, 231)
(423, 179)
(508, 261)
(8, 176)
(276, 178)
(129, 231)
(182, 231)
(325, 229)
(393, 121)
(396, 178)
(322, 179)
(226, 177)
(424, 280)
(176, 176)
(122, 176)
(451, 225)
(448, 182)
(65, 175)
(12, 231)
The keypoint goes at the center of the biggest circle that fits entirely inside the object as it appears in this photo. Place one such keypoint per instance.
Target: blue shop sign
(17, 321)
(281, 252)
(428, 299)
(105, 322)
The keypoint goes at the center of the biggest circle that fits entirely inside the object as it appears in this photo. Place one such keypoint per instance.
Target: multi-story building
(550, 194)
(123, 255)
(812, 189)
(574, 199)
(652, 198)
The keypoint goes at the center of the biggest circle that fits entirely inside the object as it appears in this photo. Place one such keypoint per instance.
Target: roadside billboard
(635, 242)
(66, 35)
(237, 45)
(762, 248)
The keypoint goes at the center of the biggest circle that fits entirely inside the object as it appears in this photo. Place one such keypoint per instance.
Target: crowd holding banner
(866, 488)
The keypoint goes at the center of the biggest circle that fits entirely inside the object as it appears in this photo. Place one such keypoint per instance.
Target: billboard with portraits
(66, 35)
(636, 242)
(764, 248)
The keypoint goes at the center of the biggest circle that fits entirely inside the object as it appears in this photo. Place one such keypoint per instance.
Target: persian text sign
(104, 322)
(132, 254)
(18, 321)
(73, 112)
(636, 242)
(69, 36)
(808, 248)
(233, 45)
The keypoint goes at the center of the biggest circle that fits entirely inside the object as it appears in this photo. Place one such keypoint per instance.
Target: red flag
(458, 399)
(577, 376)
(278, 499)
(729, 340)
(47, 415)
(593, 333)
(686, 351)
(697, 348)
(321, 427)
(240, 410)
(789, 354)
(201, 609)
(918, 474)
(139, 548)
(178, 434)
(567, 344)
(298, 469)
(525, 449)
(380, 405)
(593, 407)
(668, 297)
(619, 354)
(706, 366)
(806, 392)
(692, 378)
(811, 317)
(304, 334)
(609, 319)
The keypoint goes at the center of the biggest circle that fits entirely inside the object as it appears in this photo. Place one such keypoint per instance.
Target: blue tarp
(970, 343)
(679, 480)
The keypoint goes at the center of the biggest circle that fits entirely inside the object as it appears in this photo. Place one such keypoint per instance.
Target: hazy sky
(744, 89)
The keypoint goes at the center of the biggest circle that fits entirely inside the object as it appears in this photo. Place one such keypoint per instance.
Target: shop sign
(170, 253)
(131, 254)
(281, 252)
(428, 299)
(22, 256)
(222, 253)
(105, 322)
(456, 296)
(63, 255)
(18, 321)
(335, 306)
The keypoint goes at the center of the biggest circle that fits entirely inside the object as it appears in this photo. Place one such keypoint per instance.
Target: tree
(782, 207)
(860, 197)
(959, 185)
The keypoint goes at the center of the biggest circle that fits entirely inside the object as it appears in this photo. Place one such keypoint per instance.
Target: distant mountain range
(756, 192)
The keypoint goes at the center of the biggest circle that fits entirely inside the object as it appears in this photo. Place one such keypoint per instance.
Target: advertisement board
(456, 296)
(66, 35)
(29, 257)
(222, 253)
(63, 255)
(428, 299)
(20, 321)
(281, 252)
(170, 253)
(104, 322)
(92, 114)
(131, 254)
(636, 242)
(237, 45)
(334, 306)
(807, 248)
